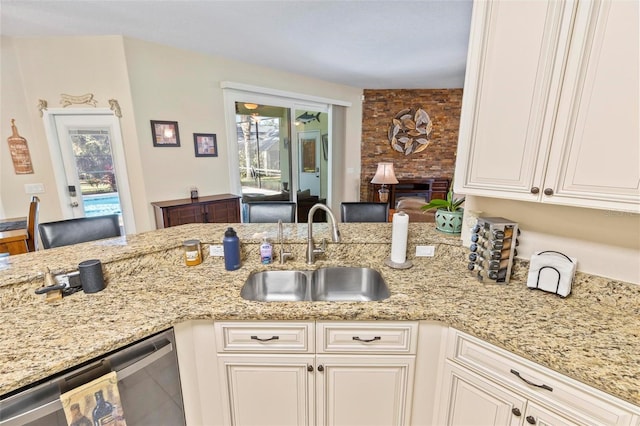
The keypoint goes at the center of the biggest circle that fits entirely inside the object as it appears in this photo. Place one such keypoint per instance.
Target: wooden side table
(14, 242)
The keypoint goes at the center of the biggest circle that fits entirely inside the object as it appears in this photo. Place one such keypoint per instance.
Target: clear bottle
(231, 248)
(266, 252)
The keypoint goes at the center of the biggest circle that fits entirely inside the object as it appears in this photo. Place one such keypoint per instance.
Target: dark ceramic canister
(91, 276)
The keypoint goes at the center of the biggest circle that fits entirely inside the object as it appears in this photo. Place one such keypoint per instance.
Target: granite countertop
(592, 336)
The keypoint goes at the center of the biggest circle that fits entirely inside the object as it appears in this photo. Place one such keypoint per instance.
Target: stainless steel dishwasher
(148, 382)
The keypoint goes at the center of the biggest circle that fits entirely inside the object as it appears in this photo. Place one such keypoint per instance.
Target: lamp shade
(385, 174)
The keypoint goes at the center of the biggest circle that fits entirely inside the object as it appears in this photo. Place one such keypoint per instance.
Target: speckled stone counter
(592, 336)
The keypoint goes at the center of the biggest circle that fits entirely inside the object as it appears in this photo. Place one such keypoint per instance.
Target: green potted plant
(448, 212)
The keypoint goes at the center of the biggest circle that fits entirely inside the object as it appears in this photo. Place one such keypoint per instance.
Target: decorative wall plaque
(19, 152)
(409, 131)
(66, 100)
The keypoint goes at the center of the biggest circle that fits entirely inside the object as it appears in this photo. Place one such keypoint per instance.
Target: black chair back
(79, 230)
(271, 211)
(364, 212)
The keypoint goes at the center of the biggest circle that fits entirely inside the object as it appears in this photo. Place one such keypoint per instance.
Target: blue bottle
(231, 248)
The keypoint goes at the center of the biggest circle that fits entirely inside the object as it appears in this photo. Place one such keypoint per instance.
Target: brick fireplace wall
(437, 160)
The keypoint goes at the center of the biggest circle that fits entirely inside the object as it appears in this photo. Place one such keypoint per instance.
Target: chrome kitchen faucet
(312, 250)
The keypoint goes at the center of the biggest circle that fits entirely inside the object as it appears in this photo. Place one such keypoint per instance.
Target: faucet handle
(322, 248)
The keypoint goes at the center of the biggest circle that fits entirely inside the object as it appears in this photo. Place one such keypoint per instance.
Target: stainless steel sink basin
(348, 284)
(325, 284)
(283, 286)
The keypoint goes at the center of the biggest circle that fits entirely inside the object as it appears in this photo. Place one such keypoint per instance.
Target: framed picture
(165, 133)
(205, 144)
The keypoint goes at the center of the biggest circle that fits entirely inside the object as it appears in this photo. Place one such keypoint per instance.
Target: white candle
(399, 234)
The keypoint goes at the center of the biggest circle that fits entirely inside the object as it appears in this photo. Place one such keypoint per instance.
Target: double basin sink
(325, 284)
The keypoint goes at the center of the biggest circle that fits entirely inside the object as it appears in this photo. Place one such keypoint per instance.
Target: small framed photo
(165, 133)
(205, 144)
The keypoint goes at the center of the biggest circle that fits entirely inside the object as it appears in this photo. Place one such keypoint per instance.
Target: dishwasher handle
(150, 354)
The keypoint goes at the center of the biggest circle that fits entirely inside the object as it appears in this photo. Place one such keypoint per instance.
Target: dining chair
(271, 211)
(32, 224)
(79, 230)
(364, 212)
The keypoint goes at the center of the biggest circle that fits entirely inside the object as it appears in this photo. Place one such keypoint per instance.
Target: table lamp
(384, 176)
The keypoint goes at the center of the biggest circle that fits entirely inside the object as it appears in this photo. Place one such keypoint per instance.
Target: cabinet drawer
(555, 390)
(264, 337)
(376, 337)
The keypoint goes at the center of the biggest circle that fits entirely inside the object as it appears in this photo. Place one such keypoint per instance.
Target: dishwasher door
(148, 382)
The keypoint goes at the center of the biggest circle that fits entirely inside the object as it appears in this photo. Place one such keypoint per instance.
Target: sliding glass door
(264, 154)
(278, 150)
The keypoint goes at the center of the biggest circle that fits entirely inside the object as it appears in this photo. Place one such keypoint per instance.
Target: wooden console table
(223, 208)
(428, 188)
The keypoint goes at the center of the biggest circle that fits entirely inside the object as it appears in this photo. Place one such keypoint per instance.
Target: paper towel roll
(399, 234)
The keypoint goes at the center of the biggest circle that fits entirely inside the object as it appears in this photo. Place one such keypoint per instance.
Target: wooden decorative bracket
(88, 99)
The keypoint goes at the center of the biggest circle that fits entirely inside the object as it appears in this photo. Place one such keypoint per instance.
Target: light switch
(425, 251)
(33, 188)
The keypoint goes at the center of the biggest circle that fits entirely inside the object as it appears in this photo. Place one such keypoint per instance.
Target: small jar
(192, 252)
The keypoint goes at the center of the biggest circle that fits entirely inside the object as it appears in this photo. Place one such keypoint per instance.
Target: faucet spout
(312, 250)
(284, 255)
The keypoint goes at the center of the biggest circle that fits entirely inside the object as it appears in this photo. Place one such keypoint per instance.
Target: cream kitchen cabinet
(485, 385)
(550, 108)
(325, 373)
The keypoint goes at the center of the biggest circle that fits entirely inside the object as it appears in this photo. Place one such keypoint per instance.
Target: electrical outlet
(216, 251)
(425, 251)
(33, 188)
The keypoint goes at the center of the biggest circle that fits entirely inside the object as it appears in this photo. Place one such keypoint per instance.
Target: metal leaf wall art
(409, 131)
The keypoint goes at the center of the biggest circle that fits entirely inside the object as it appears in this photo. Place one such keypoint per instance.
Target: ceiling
(370, 44)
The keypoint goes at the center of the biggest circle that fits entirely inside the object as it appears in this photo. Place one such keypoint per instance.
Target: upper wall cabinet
(550, 109)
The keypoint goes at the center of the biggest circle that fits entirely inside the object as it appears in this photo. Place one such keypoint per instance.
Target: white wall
(151, 82)
(606, 243)
(45, 68)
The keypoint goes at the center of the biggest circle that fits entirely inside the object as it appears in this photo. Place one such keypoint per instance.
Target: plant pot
(449, 222)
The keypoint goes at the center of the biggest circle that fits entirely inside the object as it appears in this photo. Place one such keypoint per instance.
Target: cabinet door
(268, 389)
(473, 400)
(184, 214)
(227, 211)
(541, 416)
(511, 87)
(364, 391)
(595, 153)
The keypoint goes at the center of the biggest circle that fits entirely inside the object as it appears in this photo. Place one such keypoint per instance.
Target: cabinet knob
(535, 190)
(531, 420)
(516, 412)
(548, 191)
(309, 367)
(320, 368)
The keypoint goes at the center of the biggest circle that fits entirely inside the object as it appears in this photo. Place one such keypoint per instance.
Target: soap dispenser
(266, 252)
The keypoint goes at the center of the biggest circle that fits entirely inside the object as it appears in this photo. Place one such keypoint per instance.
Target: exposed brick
(437, 160)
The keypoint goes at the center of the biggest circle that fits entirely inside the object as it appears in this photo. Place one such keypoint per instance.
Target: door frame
(117, 151)
(237, 92)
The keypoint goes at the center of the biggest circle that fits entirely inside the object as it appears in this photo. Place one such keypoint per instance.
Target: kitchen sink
(325, 284)
(282, 286)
